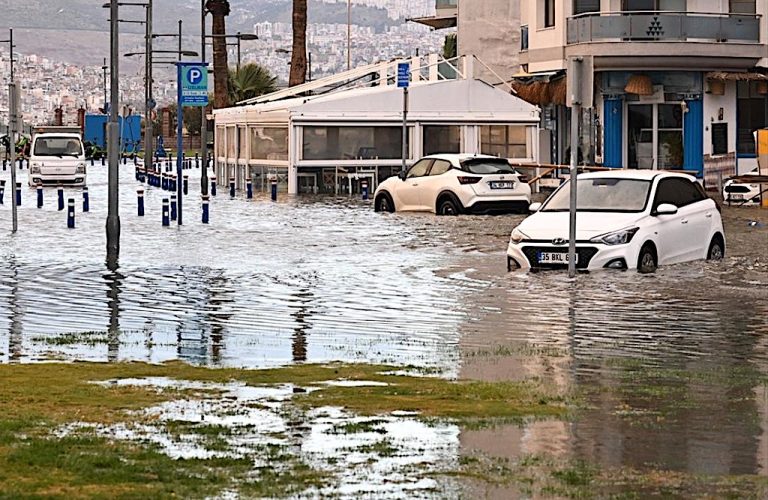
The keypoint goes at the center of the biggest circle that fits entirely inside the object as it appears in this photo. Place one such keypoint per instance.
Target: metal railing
(663, 26)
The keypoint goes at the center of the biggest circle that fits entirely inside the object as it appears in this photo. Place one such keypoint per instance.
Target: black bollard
(249, 188)
(185, 187)
(71, 213)
(213, 185)
(140, 200)
(86, 200)
(231, 187)
(2, 191)
(18, 194)
(166, 215)
(39, 195)
(174, 207)
(206, 210)
(274, 189)
(61, 198)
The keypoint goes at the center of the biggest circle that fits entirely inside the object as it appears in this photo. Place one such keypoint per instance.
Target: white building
(328, 142)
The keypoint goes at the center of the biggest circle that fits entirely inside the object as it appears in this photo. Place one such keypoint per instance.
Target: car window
(419, 169)
(487, 166)
(440, 167)
(603, 194)
(678, 192)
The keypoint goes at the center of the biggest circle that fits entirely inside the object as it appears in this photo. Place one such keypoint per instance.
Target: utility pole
(10, 31)
(349, 35)
(238, 51)
(180, 24)
(149, 151)
(203, 123)
(113, 216)
(104, 69)
(13, 126)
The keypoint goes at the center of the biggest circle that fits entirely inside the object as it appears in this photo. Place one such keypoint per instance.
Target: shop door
(655, 136)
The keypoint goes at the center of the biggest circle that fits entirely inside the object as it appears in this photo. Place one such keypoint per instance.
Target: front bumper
(591, 256)
(54, 180)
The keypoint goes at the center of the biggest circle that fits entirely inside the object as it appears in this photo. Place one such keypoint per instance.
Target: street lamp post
(349, 35)
(12, 46)
(203, 121)
(149, 151)
(113, 216)
(104, 69)
(240, 37)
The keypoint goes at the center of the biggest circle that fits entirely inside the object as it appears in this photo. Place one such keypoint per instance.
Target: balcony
(664, 27)
(446, 14)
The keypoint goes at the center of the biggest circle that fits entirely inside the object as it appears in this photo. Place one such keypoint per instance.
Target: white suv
(626, 219)
(450, 184)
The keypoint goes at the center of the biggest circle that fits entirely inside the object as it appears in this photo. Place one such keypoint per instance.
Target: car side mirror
(534, 207)
(402, 175)
(666, 209)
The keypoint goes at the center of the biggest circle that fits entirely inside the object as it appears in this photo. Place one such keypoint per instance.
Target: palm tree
(299, 53)
(252, 80)
(219, 10)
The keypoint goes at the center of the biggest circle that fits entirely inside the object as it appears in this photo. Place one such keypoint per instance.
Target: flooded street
(670, 369)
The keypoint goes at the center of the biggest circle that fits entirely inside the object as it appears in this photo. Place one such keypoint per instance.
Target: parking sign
(193, 83)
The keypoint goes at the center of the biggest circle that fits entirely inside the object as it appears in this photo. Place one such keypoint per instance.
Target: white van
(57, 156)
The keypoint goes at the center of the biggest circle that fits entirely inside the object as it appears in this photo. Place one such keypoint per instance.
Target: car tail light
(523, 178)
(464, 179)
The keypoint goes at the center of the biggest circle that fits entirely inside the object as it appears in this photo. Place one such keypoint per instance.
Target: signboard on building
(193, 83)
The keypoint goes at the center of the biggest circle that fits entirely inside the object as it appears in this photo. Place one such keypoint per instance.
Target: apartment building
(679, 84)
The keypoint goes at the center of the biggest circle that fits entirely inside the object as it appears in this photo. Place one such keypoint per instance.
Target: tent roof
(465, 99)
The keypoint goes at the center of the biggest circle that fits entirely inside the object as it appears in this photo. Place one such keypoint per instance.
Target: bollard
(166, 219)
(86, 200)
(172, 183)
(249, 188)
(213, 185)
(185, 187)
(197, 160)
(135, 160)
(364, 189)
(125, 160)
(61, 198)
(231, 187)
(140, 201)
(21, 163)
(39, 195)
(2, 191)
(91, 160)
(206, 210)
(274, 189)
(136, 174)
(5, 163)
(163, 181)
(71, 213)
(174, 207)
(102, 160)
(18, 194)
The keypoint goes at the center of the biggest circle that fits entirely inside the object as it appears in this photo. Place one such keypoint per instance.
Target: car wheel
(716, 249)
(647, 262)
(448, 206)
(384, 203)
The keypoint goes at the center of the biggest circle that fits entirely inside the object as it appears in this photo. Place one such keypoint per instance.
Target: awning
(736, 76)
(437, 22)
(541, 93)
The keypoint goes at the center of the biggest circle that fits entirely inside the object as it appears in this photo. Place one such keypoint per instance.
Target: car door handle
(709, 215)
(684, 221)
(415, 184)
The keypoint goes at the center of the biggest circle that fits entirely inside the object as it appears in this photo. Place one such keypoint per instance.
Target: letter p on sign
(194, 76)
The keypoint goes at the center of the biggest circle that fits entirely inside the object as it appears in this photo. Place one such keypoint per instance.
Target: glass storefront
(351, 143)
(505, 141)
(269, 143)
(441, 139)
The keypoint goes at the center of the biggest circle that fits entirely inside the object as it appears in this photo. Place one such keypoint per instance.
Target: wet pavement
(671, 367)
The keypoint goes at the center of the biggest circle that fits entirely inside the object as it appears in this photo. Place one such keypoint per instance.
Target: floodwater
(671, 366)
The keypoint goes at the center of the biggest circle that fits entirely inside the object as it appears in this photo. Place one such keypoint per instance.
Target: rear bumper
(498, 207)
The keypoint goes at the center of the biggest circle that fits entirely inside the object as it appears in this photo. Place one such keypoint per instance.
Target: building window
(269, 143)
(352, 143)
(231, 142)
(442, 139)
(751, 113)
(584, 6)
(546, 11)
(743, 7)
(655, 5)
(242, 142)
(524, 37)
(505, 141)
(220, 137)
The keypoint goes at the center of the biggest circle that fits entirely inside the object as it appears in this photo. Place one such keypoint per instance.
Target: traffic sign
(403, 74)
(193, 83)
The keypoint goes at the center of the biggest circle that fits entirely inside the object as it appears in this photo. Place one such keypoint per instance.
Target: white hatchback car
(627, 219)
(740, 192)
(450, 184)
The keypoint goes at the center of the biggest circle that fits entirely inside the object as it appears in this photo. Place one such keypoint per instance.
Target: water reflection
(114, 281)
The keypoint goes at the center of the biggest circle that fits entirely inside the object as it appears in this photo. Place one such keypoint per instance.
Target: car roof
(640, 174)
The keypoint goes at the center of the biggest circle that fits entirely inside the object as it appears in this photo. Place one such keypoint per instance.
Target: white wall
(490, 29)
(712, 105)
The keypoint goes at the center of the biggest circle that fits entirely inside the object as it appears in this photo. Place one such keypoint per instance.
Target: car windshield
(58, 146)
(483, 167)
(602, 195)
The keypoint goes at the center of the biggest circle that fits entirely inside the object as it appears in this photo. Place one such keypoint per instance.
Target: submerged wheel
(384, 203)
(448, 206)
(716, 249)
(647, 262)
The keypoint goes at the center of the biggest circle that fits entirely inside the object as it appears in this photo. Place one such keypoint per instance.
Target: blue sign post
(403, 81)
(192, 78)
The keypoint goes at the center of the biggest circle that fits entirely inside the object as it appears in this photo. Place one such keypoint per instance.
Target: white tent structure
(330, 142)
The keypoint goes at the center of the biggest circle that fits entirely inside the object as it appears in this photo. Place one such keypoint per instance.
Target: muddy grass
(58, 437)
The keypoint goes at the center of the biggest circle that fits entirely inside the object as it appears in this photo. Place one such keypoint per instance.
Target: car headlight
(518, 236)
(621, 237)
(35, 168)
(81, 168)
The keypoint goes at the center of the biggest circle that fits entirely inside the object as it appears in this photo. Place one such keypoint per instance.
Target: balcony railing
(663, 26)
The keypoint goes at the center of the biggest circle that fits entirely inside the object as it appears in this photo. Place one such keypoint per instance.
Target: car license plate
(555, 258)
(734, 196)
(502, 185)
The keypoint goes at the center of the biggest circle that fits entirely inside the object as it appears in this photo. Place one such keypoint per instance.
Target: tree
(219, 10)
(299, 53)
(192, 119)
(449, 47)
(252, 80)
